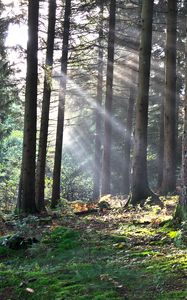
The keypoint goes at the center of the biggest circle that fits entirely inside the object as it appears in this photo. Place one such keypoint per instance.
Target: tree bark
(42, 149)
(169, 170)
(97, 158)
(26, 198)
(106, 172)
(61, 107)
(181, 211)
(140, 189)
(127, 139)
(160, 164)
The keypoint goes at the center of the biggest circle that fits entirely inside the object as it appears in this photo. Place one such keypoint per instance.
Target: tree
(128, 137)
(160, 163)
(181, 211)
(26, 198)
(169, 170)
(61, 107)
(97, 158)
(140, 189)
(42, 149)
(106, 172)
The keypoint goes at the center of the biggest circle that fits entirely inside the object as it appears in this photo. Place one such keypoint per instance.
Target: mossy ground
(113, 255)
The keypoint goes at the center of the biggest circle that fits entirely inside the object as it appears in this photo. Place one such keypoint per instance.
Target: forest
(93, 149)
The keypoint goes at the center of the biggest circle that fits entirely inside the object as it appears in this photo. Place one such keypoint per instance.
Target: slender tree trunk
(181, 211)
(106, 172)
(97, 158)
(160, 164)
(140, 189)
(127, 140)
(42, 150)
(61, 107)
(26, 198)
(169, 170)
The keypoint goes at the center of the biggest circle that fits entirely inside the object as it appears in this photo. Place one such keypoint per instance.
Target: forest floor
(110, 254)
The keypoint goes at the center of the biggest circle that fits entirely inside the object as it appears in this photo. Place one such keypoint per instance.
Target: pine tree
(42, 149)
(61, 107)
(106, 172)
(128, 136)
(97, 158)
(26, 198)
(140, 189)
(181, 211)
(169, 170)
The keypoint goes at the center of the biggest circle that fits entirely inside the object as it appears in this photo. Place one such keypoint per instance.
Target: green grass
(73, 264)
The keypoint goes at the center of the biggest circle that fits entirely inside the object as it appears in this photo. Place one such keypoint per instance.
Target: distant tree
(98, 121)
(169, 167)
(181, 211)
(160, 163)
(61, 107)
(26, 198)
(42, 149)
(106, 171)
(128, 136)
(140, 189)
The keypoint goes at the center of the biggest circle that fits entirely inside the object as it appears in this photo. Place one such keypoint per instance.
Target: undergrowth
(98, 261)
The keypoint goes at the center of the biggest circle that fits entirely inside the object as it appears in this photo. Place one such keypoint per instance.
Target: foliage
(27, 227)
(27, 231)
(10, 112)
(76, 182)
(10, 158)
(180, 236)
(8, 89)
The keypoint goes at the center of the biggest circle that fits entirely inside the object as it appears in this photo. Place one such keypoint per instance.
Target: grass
(97, 261)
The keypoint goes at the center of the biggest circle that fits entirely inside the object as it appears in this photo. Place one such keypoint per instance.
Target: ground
(113, 253)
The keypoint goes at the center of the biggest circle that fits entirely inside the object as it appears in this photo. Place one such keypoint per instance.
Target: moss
(173, 234)
(180, 213)
(63, 238)
(144, 253)
(73, 265)
(136, 230)
(119, 238)
(4, 251)
(107, 295)
(173, 295)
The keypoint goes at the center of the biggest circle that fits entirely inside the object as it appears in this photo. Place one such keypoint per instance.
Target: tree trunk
(97, 158)
(127, 139)
(26, 198)
(181, 211)
(106, 172)
(140, 189)
(169, 170)
(61, 108)
(160, 164)
(42, 150)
